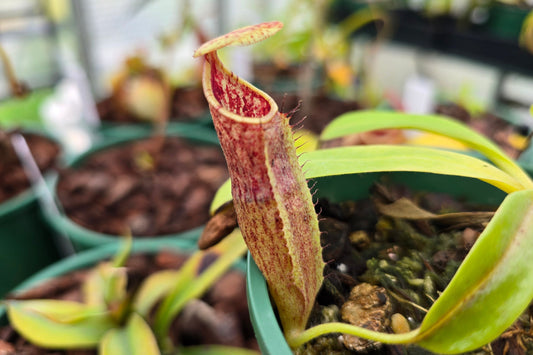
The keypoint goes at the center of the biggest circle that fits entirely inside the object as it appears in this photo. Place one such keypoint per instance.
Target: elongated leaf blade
(222, 196)
(135, 339)
(105, 284)
(198, 280)
(361, 121)
(492, 287)
(124, 251)
(366, 159)
(59, 324)
(153, 289)
(376, 158)
(226, 253)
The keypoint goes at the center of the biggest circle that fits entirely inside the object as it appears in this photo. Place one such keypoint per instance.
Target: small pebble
(6, 348)
(399, 324)
(360, 239)
(469, 237)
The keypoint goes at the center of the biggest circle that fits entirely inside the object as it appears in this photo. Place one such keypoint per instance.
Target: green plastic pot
(111, 130)
(353, 187)
(83, 238)
(505, 21)
(26, 242)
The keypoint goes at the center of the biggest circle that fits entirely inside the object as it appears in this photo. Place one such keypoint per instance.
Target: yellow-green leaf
(105, 284)
(124, 251)
(222, 196)
(153, 289)
(135, 339)
(193, 282)
(361, 121)
(374, 158)
(59, 324)
(305, 141)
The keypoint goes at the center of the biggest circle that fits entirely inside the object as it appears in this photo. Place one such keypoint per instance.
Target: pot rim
(87, 238)
(17, 202)
(28, 196)
(91, 256)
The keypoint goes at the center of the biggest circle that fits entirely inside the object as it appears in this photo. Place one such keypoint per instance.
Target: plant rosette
(24, 234)
(276, 215)
(114, 319)
(143, 163)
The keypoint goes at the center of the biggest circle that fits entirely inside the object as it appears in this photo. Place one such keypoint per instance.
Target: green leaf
(59, 324)
(374, 158)
(105, 285)
(124, 251)
(192, 282)
(361, 121)
(493, 286)
(106, 282)
(222, 196)
(215, 350)
(153, 289)
(135, 339)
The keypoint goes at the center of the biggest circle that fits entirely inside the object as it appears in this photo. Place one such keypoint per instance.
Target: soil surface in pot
(13, 179)
(316, 114)
(380, 265)
(220, 317)
(187, 104)
(270, 77)
(151, 187)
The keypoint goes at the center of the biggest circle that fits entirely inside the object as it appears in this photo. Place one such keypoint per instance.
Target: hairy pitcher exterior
(271, 196)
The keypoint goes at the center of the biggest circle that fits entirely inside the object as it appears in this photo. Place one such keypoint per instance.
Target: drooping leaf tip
(242, 37)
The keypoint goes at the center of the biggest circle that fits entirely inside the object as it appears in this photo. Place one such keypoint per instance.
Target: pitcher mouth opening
(234, 97)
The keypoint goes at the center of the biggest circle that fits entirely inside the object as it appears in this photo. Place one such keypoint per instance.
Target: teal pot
(83, 238)
(353, 187)
(110, 130)
(26, 242)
